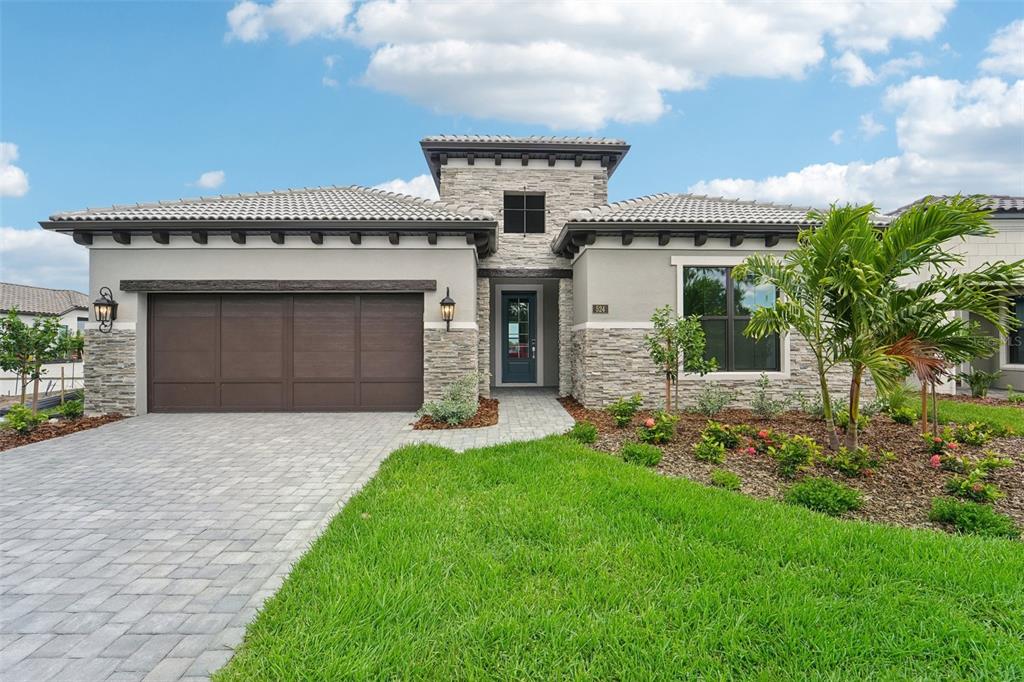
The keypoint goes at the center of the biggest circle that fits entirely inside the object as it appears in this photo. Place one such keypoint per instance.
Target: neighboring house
(1007, 216)
(72, 309)
(329, 298)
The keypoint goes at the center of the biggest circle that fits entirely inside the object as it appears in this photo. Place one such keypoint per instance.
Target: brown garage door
(280, 352)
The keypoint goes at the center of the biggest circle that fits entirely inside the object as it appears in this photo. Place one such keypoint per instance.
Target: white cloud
(1006, 50)
(297, 19)
(211, 179)
(953, 136)
(869, 127)
(856, 72)
(419, 186)
(13, 180)
(328, 80)
(581, 64)
(836, 137)
(44, 259)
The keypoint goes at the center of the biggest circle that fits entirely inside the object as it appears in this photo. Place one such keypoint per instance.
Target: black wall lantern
(105, 309)
(447, 309)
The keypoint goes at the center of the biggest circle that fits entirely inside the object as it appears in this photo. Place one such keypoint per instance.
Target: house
(1007, 216)
(72, 309)
(329, 298)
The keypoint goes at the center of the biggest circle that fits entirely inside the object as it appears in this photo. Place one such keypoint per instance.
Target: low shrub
(1013, 396)
(899, 398)
(794, 454)
(860, 461)
(903, 415)
(974, 518)
(660, 428)
(583, 432)
(624, 409)
(729, 437)
(979, 381)
(720, 478)
(763, 440)
(972, 433)
(640, 453)
(458, 401)
(22, 419)
(813, 407)
(843, 420)
(765, 406)
(70, 409)
(973, 487)
(712, 399)
(937, 445)
(824, 495)
(709, 450)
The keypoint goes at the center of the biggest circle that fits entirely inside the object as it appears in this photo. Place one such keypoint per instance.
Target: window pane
(704, 291)
(762, 355)
(747, 297)
(513, 201)
(1016, 338)
(515, 221)
(714, 339)
(534, 221)
(535, 201)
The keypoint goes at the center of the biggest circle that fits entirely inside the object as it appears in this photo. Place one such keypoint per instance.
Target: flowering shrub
(935, 461)
(763, 440)
(709, 450)
(937, 445)
(583, 432)
(640, 453)
(794, 454)
(969, 434)
(658, 429)
(860, 461)
(727, 436)
(721, 478)
(624, 409)
(972, 487)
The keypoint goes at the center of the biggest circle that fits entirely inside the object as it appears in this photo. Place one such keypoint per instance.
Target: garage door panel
(322, 395)
(286, 352)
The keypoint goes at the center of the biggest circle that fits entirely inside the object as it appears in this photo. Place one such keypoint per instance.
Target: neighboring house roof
(352, 203)
(997, 203)
(438, 149)
(693, 209)
(39, 301)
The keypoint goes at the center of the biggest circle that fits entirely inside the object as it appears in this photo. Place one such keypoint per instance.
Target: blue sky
(104, 103)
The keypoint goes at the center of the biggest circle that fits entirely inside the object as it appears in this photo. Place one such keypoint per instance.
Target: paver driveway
(142, 549)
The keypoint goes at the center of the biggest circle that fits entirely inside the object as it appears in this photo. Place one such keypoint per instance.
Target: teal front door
(519, 337)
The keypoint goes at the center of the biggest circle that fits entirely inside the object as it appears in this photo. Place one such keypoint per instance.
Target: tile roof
(691, 208)
(523, 139)
(997, 203)
(39, 301)
(316, 203)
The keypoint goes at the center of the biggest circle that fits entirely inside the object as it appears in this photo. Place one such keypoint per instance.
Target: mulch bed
(486, 415)
(899, 493)
(12, 439)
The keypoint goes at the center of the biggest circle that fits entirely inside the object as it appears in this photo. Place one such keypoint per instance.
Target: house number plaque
(599, 308)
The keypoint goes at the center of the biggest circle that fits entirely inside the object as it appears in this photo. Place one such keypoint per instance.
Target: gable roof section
(437, 149)
(339, 204)
(39, 301)
(997, 203)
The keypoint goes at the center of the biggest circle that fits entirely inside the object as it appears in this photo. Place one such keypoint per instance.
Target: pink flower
(976, 487)
(751, 451)
(952, 446)
(936, 440)
(762, 434)
(935, 461)
(649, 423)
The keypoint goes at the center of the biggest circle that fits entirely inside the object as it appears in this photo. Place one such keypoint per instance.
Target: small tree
(677, 343)
(24, 349)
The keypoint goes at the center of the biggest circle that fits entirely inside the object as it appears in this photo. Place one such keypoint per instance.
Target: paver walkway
(141, 549)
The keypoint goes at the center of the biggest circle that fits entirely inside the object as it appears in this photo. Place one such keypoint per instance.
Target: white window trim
(498, 289)
(709, 261)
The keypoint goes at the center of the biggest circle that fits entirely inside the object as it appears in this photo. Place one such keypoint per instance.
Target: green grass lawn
(545, 560)
(999, 417)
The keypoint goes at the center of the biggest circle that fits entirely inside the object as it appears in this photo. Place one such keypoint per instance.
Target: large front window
(1016, 339)
(724, 306)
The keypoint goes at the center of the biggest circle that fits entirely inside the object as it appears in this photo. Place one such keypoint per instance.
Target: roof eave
(643, 229)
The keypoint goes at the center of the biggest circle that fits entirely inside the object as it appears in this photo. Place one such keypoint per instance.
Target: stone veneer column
(483, 324)
(565, 346)
(447, 356)
(110, 371)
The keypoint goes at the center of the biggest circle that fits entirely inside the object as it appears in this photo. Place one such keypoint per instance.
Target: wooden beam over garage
(200, 285)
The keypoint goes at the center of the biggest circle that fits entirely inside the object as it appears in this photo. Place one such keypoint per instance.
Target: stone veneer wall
(483, 324)
(565, 318)
(110, 372)
(447, 356)
(608, 364)
(483, 185)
